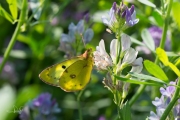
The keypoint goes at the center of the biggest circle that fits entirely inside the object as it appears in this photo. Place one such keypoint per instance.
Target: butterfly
(70, 75)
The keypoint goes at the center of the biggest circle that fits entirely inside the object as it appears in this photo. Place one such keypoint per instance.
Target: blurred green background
(38, 47)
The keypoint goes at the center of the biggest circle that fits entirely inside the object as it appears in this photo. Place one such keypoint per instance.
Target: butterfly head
(87, 53)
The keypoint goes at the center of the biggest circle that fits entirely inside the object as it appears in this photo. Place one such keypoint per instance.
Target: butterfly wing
(52, 74)
(76, 76)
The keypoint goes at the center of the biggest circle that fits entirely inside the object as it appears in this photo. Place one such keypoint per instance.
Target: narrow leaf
(148, 3)
(13, 8)
(148, 40)
(147, 77)
(162, 56)
(6, 15)
(135, 81)
(175, 11)
(155, 70)
(125, 111)
(175, 69)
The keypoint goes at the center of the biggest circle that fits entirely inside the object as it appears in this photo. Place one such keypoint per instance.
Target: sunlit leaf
(8, 96)
(13, 8)
(148, 40)
(148, 3)
(175, 11)
(175, 69)
(5, 14)
(162, 56)
(155, 70)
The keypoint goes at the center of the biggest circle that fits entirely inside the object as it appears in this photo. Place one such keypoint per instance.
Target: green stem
(79, 105)
(163, 39)
(162, 43)
(17, 31)
(172, 103)
(136, 96)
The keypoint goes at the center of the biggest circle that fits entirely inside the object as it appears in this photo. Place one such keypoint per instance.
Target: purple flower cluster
(41, 108)
(120, 17)
(76, 32)
(162, 103)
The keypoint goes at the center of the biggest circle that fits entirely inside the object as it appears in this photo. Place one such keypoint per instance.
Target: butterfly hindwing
(78, 77)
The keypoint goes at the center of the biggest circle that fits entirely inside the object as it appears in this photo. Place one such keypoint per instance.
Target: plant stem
(16, 32)
(163, 39)
(162, 43)
(79, 104)
(172, 103)
(136, 96)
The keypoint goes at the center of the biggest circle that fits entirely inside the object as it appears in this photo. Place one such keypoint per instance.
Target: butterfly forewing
(51, 75)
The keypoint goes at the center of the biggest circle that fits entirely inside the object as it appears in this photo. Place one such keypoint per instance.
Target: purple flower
(76, 32)
(120, 17)
(131, 16)
(111, 21)
(156, 34)
(44, 107)
(162, 103)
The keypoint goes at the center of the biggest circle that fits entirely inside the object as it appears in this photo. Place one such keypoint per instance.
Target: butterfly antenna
(83, 40)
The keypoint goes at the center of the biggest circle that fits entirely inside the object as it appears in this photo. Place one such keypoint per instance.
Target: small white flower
(113, 49)
(126, 42)
(101, 58)
(137, 65)
(130, 56)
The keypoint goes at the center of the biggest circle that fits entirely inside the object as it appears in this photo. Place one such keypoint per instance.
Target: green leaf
(147, 77)
(148, 40)
(6, 15)
(158, 18)
(136, 81)
(13, 8)
(19, 3)
(125, 111)
(148, 3)
(175, 12)
(162, 56)
(155, 70)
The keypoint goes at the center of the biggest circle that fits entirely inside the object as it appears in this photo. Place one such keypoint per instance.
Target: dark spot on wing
(72, 76)
(80, 84)
(85, 66)
(63, 66)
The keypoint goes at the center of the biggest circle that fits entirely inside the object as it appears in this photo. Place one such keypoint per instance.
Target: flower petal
(126, 42)
(113, 51)
(130, 56)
